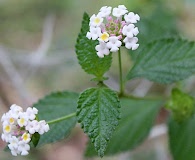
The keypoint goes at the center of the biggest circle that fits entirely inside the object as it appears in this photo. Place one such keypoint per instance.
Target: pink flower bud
(109, 18)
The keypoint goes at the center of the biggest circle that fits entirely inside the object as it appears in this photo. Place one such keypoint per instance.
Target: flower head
(18, 128)
(113, 30)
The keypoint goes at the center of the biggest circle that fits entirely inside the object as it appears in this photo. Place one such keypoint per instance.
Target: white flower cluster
(111, 32)
(19, 127)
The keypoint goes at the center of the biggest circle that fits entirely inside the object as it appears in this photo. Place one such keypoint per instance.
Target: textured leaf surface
(98, 113)
(161, 23)
(86, 53)
(54, 106)
(136, 121)
(181, 139)
(165, 61)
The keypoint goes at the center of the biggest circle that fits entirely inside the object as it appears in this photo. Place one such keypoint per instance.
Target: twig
(39, 54)
(13, 74)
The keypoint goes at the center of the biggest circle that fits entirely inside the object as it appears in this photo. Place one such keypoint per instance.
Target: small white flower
(104, 37)
(4, 117)
(122, 7)
(89, 35)
(95, 20)
(6, 137)
(26, 137)
(131, 17)
(13, 146)
(44, 127)
(7, 128)
(102, 49)
(13, 142)
(94, 33)
(120, 11)
(114, 43)
(15, 110)
(14, 151)
(10, 118)
(130, 30)
(23, 148)
(23, 119)
(31, 113)
(32, 127)
(105, 11)
(131, 43)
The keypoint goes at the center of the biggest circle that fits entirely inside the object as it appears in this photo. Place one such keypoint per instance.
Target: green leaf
(54, 106)
(182, 138)
(35, 139)
(165, 61)
(160, 23)
(98, 113)
(86, 53)
(6, 149)
(136, 121)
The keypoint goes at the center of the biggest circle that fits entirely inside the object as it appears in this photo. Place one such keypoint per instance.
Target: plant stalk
(62, 118)
(120, 74)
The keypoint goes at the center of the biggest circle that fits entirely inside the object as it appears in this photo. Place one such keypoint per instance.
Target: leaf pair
(98, 113)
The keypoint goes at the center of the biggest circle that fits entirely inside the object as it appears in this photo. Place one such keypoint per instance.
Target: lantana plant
(114, 120)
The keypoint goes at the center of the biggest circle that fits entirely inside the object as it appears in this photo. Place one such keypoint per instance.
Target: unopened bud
(181, 104)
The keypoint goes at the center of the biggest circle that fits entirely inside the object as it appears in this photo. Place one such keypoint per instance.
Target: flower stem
(120, 73)
(62, 118)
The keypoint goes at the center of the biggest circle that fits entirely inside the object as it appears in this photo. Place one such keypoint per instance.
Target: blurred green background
(37, 39)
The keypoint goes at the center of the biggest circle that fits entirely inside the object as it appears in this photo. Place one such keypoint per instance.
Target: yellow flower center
(25, 137)
(104, 36)
(97, 20)
(22, 120)
(7, 128)
(11, 120)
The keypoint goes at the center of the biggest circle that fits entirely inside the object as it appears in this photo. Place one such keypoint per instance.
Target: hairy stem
(62, 118)
(120, 73)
